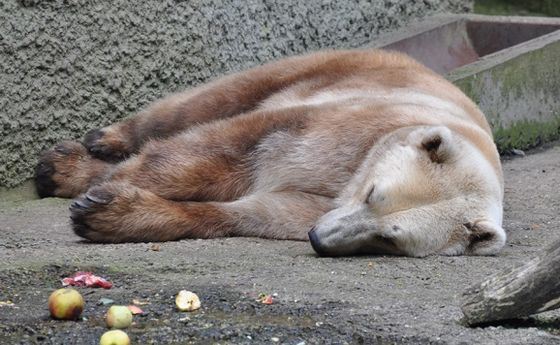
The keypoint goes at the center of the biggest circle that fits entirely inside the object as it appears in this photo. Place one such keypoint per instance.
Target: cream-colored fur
(372, 150)
(399, 201)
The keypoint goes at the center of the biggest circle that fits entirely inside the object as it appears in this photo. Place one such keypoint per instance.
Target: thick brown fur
(259, 153)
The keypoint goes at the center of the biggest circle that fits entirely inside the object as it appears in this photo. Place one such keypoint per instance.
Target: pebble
(105, 301)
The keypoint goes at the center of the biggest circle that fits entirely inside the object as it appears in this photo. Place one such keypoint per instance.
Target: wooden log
(524, 290)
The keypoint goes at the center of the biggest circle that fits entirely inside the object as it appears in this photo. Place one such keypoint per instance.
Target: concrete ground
(372, 300)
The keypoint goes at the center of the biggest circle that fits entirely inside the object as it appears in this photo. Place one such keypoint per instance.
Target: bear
(358, 151)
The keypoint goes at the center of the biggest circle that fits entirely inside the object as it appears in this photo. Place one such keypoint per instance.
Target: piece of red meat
(86, 279)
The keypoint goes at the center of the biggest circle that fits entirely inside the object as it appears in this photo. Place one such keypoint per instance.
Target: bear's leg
(209, 162)
(177, 168)
(120, 212)
(223, 98)
(212, 162)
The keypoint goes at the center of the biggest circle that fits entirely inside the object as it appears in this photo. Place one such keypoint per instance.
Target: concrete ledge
(518, 90)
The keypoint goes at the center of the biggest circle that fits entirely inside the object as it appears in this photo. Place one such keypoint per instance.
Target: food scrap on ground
(135, 310)
(86, 279)
(268, 300)
(139, 302)
(187, 301)
(265, 298)
(7, 303)
(535, 227)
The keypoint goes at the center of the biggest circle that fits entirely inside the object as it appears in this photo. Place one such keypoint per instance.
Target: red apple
(66, 304)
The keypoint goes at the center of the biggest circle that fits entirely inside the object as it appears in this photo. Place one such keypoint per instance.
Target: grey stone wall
(67, 66)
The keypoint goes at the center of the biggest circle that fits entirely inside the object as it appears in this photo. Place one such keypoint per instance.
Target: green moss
(519, 97)
(470, 87)
(534, 70)
(546, 7)
(526, 134)
(515, 7)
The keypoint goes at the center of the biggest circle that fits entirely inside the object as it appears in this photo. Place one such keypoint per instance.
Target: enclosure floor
(320, 300)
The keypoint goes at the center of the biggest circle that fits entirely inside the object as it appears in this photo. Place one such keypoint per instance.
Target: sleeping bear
(359, 151)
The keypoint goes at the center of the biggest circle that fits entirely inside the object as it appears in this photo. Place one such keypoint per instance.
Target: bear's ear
(436, 141)
(485, 238)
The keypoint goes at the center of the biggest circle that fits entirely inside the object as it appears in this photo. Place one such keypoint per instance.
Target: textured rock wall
(67, 66)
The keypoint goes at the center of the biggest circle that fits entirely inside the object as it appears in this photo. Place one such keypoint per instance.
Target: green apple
(118, 316)
(66, 304)
(114, 337)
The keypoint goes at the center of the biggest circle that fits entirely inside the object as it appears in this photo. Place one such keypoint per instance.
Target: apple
(118, 316)
(187, 301)
(114, 337)
(66, 304)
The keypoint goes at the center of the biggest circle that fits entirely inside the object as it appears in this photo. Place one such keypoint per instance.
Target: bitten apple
(187, 301)
(66, 304)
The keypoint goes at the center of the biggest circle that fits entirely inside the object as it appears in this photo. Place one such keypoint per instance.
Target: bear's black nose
(315, 243)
